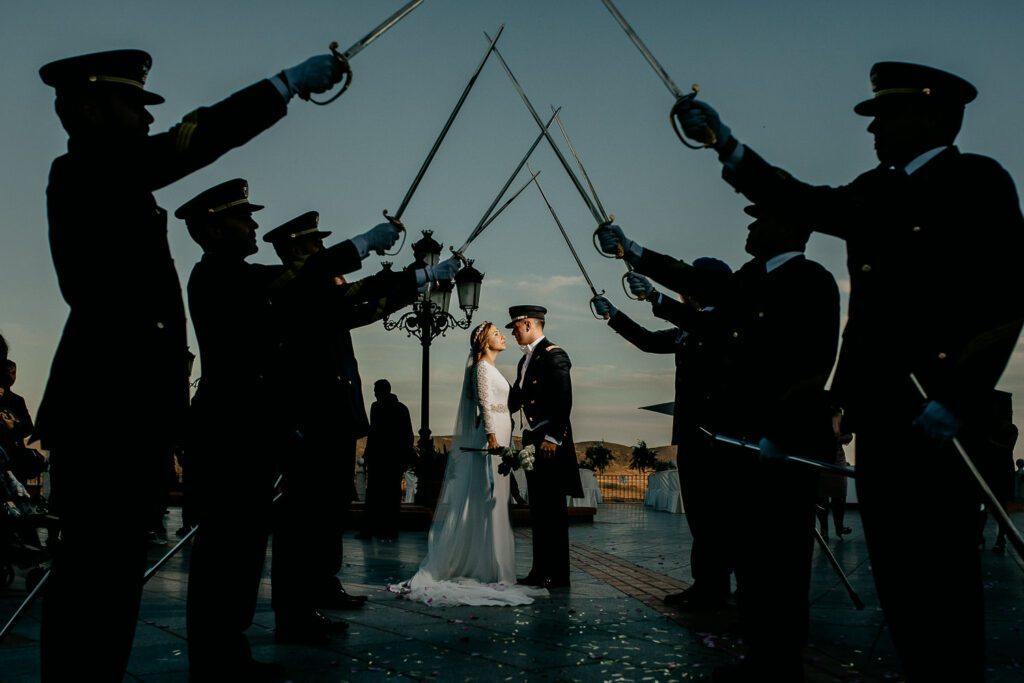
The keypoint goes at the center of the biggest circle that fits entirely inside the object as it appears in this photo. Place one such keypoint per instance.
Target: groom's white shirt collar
(528, 350)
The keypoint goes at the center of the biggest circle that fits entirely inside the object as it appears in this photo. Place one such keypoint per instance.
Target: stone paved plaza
(610, 626)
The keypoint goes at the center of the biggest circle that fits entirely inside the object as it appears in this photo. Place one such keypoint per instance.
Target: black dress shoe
(341, 600)
(530, 579)
(549, 582)
(310, 628)
(694, 599)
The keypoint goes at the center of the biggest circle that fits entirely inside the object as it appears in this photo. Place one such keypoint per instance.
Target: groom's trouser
(549, 520)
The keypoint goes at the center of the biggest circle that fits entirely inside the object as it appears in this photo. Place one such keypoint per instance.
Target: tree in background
(598, 457)
(643, 458)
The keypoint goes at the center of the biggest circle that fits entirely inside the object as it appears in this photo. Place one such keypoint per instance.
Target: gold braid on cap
(478, 334)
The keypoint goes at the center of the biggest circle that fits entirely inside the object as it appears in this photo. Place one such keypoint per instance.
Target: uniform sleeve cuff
(362, 245)
(282, 87)
(552, 440)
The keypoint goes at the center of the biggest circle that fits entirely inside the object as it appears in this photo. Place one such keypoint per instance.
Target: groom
(543, 391)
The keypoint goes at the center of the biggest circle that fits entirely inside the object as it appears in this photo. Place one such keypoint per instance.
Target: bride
(470, 550)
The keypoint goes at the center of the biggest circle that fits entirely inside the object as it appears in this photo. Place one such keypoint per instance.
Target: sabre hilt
(710, 139)
(593, 309)
(457, 253)
(397, 222)
(625, 286)
(346, 78)
(619, 251)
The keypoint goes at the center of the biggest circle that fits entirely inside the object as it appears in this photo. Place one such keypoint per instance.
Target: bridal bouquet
(512, 459)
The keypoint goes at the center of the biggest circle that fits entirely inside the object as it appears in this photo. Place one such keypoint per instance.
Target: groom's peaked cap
(517, 313)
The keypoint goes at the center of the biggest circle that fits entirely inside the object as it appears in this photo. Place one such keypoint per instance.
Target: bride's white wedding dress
(470, 550)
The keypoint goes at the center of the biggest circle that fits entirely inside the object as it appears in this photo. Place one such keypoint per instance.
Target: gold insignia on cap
(222, 207)
(293, 235)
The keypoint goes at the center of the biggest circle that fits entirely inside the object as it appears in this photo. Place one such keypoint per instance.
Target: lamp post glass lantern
(429, 317)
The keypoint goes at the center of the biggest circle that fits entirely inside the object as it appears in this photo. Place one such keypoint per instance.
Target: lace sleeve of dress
(483, 397)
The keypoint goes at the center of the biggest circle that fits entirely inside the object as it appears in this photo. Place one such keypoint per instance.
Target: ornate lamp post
(430, 318)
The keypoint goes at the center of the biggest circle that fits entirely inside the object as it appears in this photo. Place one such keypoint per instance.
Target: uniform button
(866, 268)
(339, 378)
(735, 335)
(533, 382)
(159, 326)
(942, 355)
(760, 314)
(916, 228)
(532, 401)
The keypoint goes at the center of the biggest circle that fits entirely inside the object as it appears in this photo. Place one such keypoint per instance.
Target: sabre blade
(476, 233)
(551, 141)
(579, 162)
(510, 200)
(648, 55)
(565, 235)
(447, 126)
(376, 33)
(816, 464)
(486, 219)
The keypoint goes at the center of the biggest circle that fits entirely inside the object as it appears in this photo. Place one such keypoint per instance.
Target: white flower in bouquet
(526, 457)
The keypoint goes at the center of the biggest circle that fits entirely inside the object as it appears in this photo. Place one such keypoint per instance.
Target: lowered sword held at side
(842, 470)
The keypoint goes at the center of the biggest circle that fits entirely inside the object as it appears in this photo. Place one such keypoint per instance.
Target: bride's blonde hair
(478, 339)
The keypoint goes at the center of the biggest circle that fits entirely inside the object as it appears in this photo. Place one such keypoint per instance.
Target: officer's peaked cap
(232, 195)
(896, 82)
(308, 224)
(517, 313)
(122, 69)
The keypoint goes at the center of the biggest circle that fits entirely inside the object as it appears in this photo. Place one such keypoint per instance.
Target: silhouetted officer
(108, 239)
(933, 237)
(322, 385)
(704, 477)
(776, 324)
(389, 451)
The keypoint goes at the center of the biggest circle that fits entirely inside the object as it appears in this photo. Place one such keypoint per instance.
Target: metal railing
(622, 487)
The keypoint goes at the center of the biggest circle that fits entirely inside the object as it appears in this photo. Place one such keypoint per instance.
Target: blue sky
(784, 75)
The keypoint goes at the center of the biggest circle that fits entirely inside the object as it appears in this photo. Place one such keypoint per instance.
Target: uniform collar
(528, 349)
(779, 260)
(923, 159)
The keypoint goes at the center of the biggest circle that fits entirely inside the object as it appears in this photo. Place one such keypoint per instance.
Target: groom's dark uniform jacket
(544, 395)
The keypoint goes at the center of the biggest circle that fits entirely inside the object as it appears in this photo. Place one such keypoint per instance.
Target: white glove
(315, 75)
(378, 238)
(615, 243)
(697, 118)
(445, 270)
(639, 286)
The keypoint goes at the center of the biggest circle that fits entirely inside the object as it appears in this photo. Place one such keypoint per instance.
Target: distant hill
(619, 466)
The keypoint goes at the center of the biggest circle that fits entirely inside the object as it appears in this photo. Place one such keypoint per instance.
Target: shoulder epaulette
(553, 347)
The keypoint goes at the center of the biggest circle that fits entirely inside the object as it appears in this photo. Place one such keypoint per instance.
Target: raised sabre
(586, 276)
(396, 219)
(597, 214)
(710, 139)
(607, 218)
(357, 47)
(490, 214)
